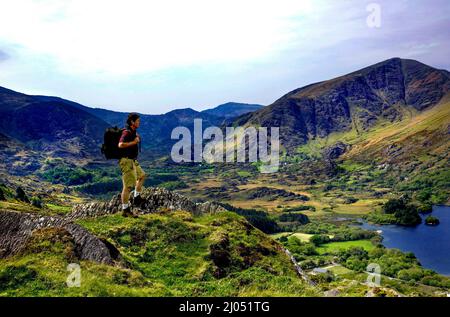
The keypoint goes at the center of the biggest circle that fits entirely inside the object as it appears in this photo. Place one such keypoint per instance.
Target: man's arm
(123, 144)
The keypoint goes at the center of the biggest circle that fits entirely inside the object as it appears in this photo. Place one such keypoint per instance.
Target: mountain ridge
(75, 131)
(357, 99)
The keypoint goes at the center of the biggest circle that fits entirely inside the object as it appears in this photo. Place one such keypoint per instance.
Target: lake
(430, 244)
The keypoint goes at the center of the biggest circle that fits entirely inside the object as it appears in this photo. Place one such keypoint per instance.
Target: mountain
(63, 128)
(50, 125)
(155, 130)
(385, 92)
(232, 109)
(357, 101)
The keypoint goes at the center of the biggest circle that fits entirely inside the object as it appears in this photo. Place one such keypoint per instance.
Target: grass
(48, 208)
(385, 132)
(281, 234)
(303, 237)
(334, 246)
(166, 254)
(18, 206)
(61, 210)
(339, 270)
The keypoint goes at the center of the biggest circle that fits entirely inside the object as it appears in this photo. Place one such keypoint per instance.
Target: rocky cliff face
(354, 101)
(17, 228)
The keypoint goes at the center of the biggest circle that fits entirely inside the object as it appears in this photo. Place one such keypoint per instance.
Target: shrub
(36, 202)
(425, 208)
(350, 200)
(414, 274)
(291, 217)
(404, 211)
(299, 208)
(319, 239)
(257, 218)
(12, 277)
(432, 221)
(20, 195)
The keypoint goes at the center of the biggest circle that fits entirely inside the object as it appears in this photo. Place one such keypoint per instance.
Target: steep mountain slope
(419, 136)
(16, 158)
(232, 109)
(48, 125)
(63, 128)
(355, 101)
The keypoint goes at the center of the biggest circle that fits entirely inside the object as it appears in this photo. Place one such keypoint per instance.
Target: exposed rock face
(336, 150)
(298, 269)
(154, 200)
(16, 228)
(356, 100)
(330, 154)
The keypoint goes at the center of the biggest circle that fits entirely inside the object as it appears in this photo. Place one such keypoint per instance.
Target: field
(304, 237)
(334, 246)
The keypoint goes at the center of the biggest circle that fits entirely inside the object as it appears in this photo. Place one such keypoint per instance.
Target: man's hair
(132, 117)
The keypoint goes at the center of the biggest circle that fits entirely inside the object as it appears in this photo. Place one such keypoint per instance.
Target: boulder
(334, 151)
(17, 228)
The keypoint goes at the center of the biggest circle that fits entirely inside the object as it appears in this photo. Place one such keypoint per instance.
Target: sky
(155, 56)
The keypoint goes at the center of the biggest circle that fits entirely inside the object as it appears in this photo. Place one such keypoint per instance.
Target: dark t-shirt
(128, 135)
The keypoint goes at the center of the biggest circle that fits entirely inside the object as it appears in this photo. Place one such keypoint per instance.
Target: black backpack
(110, 148)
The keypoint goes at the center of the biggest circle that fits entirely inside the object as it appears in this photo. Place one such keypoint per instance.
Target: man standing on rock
(132, 173)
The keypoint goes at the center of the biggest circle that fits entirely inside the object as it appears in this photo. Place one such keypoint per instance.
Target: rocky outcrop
(330, 155)
(154, 199)
(334, 151)
(298, 269)
(17, 228)
(354, 101)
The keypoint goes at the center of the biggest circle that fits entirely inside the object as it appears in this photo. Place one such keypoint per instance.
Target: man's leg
(140, 175)
(125, 197)
(140, 183)
(128, 180)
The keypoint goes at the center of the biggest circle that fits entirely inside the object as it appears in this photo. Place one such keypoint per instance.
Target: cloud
(152, 57)
(127, 37)
(3, 56)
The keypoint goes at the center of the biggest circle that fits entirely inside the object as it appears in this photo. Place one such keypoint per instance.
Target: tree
(319, 239)
(432, 221)
(36, 202)
(20, 195)
(403, 210)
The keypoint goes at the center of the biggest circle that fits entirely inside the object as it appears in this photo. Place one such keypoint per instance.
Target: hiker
(132, 173)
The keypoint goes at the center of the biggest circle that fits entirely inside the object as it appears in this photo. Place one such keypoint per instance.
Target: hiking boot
(137, 201)
(128, 213)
